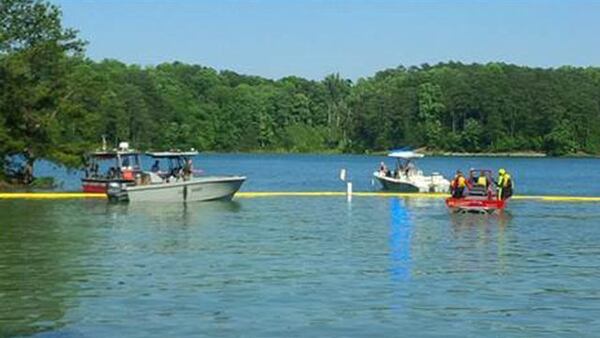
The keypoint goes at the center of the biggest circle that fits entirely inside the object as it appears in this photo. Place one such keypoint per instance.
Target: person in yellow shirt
(505, 185)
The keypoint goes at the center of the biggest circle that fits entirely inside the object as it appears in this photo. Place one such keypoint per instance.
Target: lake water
(307, 266)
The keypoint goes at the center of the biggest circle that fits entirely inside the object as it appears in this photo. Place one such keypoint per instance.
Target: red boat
(480, 196)
(475, 204)
(126, 165)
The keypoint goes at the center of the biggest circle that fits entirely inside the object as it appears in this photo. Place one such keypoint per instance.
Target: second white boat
(407, 177)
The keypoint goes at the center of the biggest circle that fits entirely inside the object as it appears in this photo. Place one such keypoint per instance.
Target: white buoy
(349, 191)
(343, 174)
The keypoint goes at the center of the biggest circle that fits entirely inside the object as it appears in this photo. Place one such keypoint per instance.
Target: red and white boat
(125, 165)
(478, 198)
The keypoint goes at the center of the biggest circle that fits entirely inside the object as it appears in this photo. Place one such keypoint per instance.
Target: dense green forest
(55, 103)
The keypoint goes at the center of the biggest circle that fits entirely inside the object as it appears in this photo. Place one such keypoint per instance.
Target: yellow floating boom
(405, 194)
(48, 195)
(336, 193)
(261, 194)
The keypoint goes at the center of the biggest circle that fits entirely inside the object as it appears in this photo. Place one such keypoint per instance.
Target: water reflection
(484, 234)
(462, 223)
(184, 214)
(51, 252)
(400, 236)
(40, 243)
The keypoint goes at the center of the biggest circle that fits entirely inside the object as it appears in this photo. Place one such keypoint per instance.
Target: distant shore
(503, 154)
(509, 154)
(529, 154)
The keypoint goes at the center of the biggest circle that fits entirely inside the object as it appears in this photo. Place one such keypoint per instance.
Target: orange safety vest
(128, 174)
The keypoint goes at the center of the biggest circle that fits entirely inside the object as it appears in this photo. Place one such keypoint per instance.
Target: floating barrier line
(558, 198)
(262, 194)
(406, 194)
(49, 195)
(245, 194)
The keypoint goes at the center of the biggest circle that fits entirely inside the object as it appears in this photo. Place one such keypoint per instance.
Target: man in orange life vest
(458, 184)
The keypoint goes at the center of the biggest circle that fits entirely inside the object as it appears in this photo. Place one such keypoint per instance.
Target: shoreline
(422, 151)
(514, 154)
(486, 154)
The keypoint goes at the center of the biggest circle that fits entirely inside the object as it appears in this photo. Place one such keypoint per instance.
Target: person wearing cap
(505, 186)
(458, 184)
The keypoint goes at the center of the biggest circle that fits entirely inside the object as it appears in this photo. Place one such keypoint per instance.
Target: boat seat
(155, 178)
(478, 190)
(478, 198)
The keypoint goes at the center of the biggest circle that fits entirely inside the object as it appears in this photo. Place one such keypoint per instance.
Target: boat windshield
(404, 168)
(173, 164)
(112, 164)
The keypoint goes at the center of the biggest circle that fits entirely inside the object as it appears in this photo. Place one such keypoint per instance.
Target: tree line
(55, 103)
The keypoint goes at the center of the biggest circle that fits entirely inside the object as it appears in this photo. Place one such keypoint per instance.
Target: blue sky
(354, 38)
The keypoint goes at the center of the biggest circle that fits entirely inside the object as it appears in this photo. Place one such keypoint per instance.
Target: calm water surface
(308, 267)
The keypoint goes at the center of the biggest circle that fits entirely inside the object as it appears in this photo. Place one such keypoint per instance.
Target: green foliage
(561, 140)
(43, 183)
(34, 58)
(303, 138)
(55, 103)
(470, 137)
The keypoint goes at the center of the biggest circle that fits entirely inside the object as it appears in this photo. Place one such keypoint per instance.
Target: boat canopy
(405, 154)
(106, 154)
(172, 154)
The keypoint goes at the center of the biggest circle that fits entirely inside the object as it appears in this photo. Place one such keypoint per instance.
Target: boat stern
(117, 192)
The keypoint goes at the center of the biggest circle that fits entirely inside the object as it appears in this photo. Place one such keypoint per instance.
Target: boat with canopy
(178, 183)
(406, 177)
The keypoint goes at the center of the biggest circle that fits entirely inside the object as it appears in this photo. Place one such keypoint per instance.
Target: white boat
(407, 177)
(177, 184)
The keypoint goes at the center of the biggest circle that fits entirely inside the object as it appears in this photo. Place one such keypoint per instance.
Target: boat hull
(195, 190)
(99, 185)
(475, 205)
(94, 187)
(390, 184)
(421, 184)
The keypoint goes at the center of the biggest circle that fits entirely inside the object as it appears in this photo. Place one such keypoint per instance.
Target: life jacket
(127, 174)
(505, 181)
(459, 181)
(482, 180)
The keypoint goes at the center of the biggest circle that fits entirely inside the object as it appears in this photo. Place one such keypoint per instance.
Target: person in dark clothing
(155, 167)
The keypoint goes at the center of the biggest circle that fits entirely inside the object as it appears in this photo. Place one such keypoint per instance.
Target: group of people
(177, 172)
(482, 184)
(402, 169)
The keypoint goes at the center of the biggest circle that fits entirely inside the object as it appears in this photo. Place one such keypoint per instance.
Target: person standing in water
(505, 185)
(458, 184)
